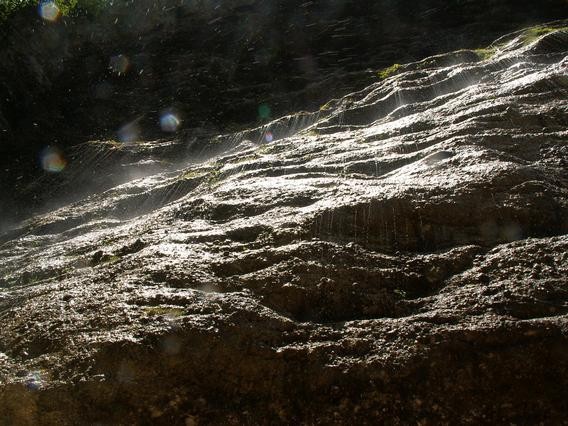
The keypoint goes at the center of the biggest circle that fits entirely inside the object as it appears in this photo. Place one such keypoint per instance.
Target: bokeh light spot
(512, 232)
(119, 64)
(49, 11)
(52, 160)
(126, 373)
(34, 380)
(172, 345)
(264, 111)
(103, 90)
(129, 132)
(169, 122)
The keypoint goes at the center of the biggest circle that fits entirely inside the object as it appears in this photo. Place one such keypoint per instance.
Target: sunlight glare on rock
(52, 160)
(49, 11)
(169, 122)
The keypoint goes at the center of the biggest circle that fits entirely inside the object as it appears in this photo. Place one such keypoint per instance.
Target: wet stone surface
(402, 257)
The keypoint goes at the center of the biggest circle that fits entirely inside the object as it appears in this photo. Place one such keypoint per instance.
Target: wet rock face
(399, 256)
(219, 65)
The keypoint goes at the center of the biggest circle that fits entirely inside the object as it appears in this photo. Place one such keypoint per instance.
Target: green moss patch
(485, 54)
(534, 33)
(387, 72)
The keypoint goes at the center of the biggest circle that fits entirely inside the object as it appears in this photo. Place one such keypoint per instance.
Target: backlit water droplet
(52, 160)
(119, 64)
(169, 122)
(49, 11)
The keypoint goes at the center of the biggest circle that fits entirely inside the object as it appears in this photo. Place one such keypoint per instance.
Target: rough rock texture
(400, 256)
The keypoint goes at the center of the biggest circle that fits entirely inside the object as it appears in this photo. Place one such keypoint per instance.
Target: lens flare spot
(172, 345)
(268, 137)
(49, 11)
(34, 380)
(512, 232)
(169, 122)
(129, 132)
(264, 112)
(103, 90)
(52, 160)
(119, 64)
(126, 373)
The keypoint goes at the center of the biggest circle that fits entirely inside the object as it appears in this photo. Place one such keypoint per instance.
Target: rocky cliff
(399, 256)
(221, 65)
